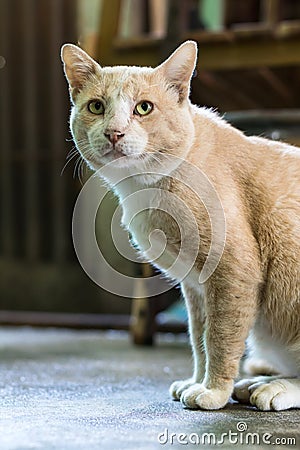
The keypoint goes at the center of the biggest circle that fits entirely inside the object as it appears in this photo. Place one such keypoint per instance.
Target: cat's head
(139, 112)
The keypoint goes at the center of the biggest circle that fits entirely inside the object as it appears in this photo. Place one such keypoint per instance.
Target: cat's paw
(177, 388)
(276, 395)
(268, 393)
(199, 397)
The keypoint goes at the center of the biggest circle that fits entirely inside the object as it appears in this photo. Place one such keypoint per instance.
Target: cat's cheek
(135, 143)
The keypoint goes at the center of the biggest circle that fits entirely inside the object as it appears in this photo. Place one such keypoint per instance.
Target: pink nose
(113, 136)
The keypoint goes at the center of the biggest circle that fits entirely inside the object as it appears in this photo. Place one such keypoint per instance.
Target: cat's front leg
(230, 313)
(195, 306)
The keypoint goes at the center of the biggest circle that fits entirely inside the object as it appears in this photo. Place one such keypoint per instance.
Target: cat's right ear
(78, 67)
(179, 67)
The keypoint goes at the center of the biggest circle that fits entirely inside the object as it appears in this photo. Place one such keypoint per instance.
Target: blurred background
(248, 68)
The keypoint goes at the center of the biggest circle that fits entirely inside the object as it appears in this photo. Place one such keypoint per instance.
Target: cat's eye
(143, 108)
(96, 107)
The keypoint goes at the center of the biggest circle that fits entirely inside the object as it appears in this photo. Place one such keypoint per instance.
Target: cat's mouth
(112, 154)
(98, 160)
(116, 152)
(109, 153)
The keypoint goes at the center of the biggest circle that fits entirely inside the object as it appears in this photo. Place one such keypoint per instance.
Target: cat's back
(257, 179)
(226, 153)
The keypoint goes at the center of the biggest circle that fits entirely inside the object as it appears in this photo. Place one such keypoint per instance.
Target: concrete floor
(63, 390)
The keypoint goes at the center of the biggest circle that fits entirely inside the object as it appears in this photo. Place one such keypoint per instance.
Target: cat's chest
(159, 240)
(161, 229)
(151, 227)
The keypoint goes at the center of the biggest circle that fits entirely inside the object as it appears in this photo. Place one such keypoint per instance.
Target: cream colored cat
(145, 114)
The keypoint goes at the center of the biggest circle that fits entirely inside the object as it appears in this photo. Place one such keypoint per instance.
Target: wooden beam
(63, 320)
(220, 85)
(109, 25)
(288, 28)
(226, 55)
(78, 321)
(249, 54)
(204, 96)
(253, 85)
(281, 88)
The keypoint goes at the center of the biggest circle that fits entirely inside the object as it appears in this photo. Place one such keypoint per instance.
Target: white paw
(177, 388)
(244, 388)
(198, 396)
(276, 395)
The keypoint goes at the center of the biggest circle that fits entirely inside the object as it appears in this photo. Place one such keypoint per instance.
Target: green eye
(96, 107)
(143, 108)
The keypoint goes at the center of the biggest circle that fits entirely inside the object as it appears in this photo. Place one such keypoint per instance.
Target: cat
(141, 117)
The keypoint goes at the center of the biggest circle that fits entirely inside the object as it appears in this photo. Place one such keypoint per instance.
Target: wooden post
(270, 12)
(177, 23)
(32, 229)
(57, 144)
(142, 322)
(109, 25)
(158, 17)
(6, 104)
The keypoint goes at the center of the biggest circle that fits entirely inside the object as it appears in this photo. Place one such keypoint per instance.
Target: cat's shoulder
(210, 115)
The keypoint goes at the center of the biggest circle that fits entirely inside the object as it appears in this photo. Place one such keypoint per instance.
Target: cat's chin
(112, 155)
(97, 161)
(120, 159)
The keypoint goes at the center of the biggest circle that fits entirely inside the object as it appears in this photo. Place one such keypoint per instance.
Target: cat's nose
(114, 136)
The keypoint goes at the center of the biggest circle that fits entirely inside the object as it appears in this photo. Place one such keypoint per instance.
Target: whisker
(79, 172)
(81, 168)
(71, 153)
(76, 166)
(68, 161)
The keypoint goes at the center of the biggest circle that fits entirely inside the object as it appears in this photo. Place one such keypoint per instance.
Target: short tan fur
(254, 293)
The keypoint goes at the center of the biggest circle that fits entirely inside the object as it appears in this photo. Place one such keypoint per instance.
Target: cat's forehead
(127, 71)
(125, 80)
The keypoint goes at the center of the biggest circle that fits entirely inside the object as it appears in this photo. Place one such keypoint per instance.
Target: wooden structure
(253, 64)
(252, 61)
(38, 267)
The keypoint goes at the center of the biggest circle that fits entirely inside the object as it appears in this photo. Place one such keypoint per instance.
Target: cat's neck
(128, 180)
(133, 184)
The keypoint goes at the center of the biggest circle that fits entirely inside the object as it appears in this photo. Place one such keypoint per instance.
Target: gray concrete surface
(63, 389)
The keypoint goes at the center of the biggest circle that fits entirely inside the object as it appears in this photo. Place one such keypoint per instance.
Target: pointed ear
(179, 67)
(78, 67)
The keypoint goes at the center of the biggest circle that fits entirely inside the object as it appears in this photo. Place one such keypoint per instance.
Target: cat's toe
(242, 390)
(199, 397)
(178, 387)
(189, 396)
(272, 396)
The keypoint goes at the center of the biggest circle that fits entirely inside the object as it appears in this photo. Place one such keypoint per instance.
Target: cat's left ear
(179, 67)
(78, 67)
